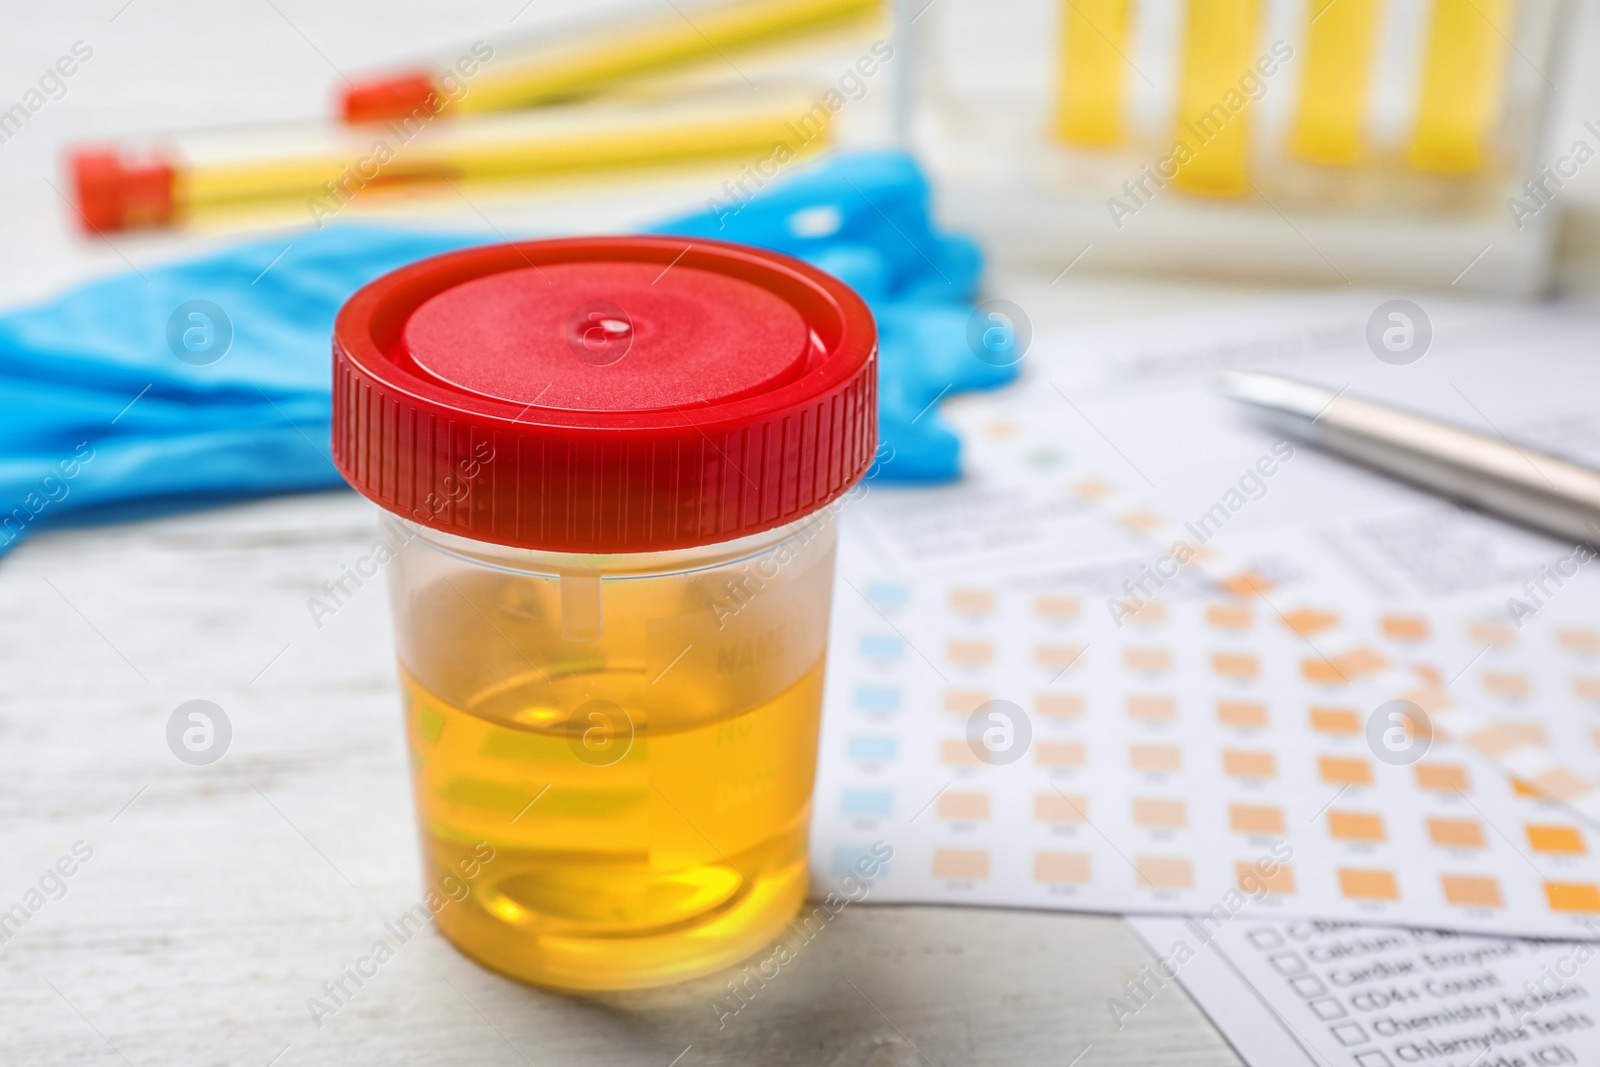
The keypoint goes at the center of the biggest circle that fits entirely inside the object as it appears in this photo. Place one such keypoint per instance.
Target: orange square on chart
(963, 806)
(971, 601)
(1559, 839)
(1248, 875)
(960, 863)
(1308, 622)
(1359, 661)
(1323, 672)
(1069, 867)
(1368, 885)
(1156, 759)
(1255, 819)
(958, 754)
(1562, 784)
(1512, 684)
(970, 653)
(1506, 735)
(1152, 708)
(1344, 770)
(1237, 665)
(1572, 896)
(1335, 721)
(1150, 613)
(1493, 634)
(1355, 826)
(1060, 807)
(1228, 616)
(1525, 789)
(1059, 754)
(964, 701)
(1442, 777)
(1057, 657)
(1147, 660)
(1154, 813)
(1405, 627)
(1141, 520)
(1058, 608)
(1587, 688)
(1247, 583)
(1243, 713)
(1579, 639)
(1058, 705)
(1239, 763)
(1089, 489)
(1456, 833)
(1471, 891)
(1164, 872)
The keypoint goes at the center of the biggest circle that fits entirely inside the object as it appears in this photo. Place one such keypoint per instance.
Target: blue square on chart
(877, 646)
(846, 860)
(877, 698)
(868, 803)
(887, 594)
(876, 749)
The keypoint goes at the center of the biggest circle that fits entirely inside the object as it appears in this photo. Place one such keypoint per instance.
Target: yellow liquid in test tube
(1094, 43)
(1462, 82)
(1219, 50)
(646, 795)
(633, 46)
(1333, 88)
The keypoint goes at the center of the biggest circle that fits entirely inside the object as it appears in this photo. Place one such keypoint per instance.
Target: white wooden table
(218, 899)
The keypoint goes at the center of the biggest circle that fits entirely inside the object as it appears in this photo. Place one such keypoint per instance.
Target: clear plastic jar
(634, 736)
(609, 467)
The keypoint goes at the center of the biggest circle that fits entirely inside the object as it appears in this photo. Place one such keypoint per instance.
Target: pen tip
(1271, 391)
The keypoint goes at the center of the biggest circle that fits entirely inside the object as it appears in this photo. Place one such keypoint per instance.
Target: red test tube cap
(388, 98)
(116, 194)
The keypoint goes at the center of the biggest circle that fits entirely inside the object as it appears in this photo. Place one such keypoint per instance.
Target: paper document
(1036, 706)
(1326, 993)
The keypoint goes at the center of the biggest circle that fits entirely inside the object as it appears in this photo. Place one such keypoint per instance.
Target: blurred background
(1111, 160)
(1368, 142)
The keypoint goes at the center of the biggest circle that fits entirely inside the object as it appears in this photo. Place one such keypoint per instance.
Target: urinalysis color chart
(1178, 739)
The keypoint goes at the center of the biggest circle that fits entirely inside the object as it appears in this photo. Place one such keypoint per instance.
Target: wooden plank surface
(219, 898)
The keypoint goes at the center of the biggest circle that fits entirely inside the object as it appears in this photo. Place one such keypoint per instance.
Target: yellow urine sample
(1094, 43)
(1333, 85)
(1462, 82)
(639, 768)
(1213, 108)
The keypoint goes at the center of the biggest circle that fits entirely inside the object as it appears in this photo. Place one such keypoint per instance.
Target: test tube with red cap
(169, 179)
(587, 59)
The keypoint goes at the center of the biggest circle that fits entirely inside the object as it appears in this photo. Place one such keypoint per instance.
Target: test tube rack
(1334, 141)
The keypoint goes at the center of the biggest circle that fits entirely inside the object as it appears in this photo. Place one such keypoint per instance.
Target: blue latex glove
(865, 219)
(104, 419)
(100, 413)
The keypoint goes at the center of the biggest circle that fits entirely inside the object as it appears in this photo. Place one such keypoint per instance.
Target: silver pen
(1554, 496)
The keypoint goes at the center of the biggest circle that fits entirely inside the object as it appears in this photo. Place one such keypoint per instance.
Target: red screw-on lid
(397, 97)
(116, 193)
(605, 394)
